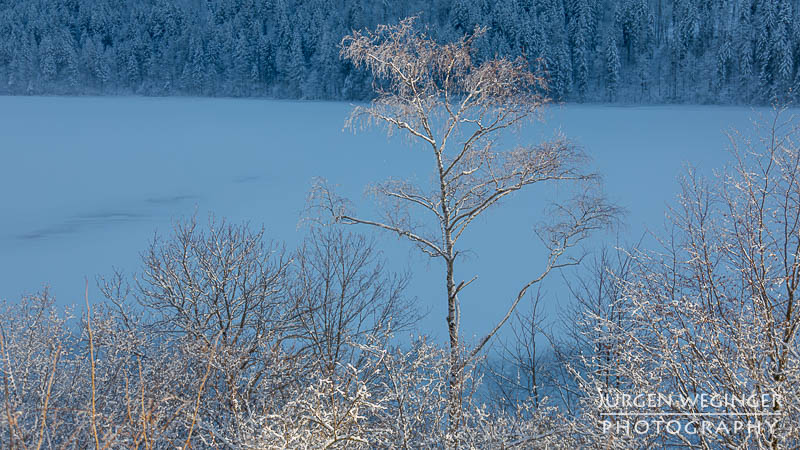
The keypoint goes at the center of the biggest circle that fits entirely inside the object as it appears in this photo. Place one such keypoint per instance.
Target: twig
(47, 397)
(93, 367)
(200, 391)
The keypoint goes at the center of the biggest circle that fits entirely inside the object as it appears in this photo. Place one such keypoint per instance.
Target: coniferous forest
(628, 51)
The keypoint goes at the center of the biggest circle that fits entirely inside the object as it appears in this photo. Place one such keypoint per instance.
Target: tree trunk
(454, 388)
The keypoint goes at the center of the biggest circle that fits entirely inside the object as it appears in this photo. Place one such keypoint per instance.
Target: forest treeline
(632, 51)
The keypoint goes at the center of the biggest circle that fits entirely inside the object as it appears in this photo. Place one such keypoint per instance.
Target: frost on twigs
(171, 391)
(712, 311)
(457, 110)
(420, 82)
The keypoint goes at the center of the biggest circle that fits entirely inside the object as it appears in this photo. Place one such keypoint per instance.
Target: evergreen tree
(724, 58)
(580, 30)
(612, 69)
(48, 65)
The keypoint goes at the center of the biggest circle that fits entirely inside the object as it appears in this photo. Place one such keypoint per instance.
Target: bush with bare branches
(713, 314)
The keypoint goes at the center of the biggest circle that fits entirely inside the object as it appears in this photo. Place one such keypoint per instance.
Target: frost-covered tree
(612, 69)
(581, 29)
(713, 310)
(455, 108)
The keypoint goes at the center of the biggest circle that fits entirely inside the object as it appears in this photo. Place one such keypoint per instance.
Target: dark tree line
(721, 51)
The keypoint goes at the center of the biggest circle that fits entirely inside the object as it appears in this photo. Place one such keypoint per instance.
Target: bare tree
(223, 287)
(343, 294)
(515, 374)
(585, 343)
(713, 312)
(542, 360)
(457, 108)
(276, 324)
(220, 279)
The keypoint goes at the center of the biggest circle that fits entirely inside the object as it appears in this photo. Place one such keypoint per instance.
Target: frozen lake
(85, 182)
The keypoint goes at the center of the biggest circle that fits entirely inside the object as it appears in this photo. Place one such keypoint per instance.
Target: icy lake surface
(85, 183)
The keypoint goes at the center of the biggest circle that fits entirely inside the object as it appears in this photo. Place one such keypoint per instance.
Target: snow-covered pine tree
(580, 29)
(612, 69)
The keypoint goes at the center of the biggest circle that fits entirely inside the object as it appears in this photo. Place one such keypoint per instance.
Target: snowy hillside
(629, 51)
